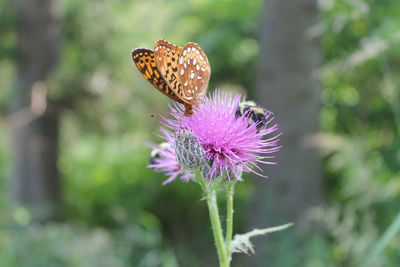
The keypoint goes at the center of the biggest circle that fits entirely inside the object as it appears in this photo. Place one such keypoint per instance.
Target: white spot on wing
(203, 69)
(184, 53)
(194, 61)
(182, 71)
(199, 78)
(185, 83)
(191, 75)
(197, 67)
(189, 49)
(180, 60)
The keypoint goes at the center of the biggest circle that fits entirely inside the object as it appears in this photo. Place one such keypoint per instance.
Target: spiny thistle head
(189, 153)
(230, 144)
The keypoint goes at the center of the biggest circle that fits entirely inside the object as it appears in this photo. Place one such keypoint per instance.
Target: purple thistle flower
(164, 160)
(230, 143)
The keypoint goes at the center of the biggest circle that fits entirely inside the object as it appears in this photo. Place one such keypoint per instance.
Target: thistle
(218, 143)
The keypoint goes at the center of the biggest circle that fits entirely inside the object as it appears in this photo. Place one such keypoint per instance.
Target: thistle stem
(211, 197)
(229, 216)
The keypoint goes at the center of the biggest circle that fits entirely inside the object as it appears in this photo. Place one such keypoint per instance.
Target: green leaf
(241, 243)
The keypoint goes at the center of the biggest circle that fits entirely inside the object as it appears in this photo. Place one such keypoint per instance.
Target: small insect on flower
(155, 154)
(254, 112)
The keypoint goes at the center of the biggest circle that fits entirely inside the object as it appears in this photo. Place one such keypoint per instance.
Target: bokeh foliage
(361, 112)
(117, 212)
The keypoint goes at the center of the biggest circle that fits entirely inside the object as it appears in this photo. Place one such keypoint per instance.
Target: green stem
(229, 216)
(211, 197)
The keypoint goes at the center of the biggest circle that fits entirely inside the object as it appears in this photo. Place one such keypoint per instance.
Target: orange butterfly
(181, 73)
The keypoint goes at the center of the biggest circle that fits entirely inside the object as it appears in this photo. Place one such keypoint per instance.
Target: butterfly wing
(145, 62)
(194, 72)
(166, 57)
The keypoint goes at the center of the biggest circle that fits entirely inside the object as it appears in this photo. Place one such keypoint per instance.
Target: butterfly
(181, 73)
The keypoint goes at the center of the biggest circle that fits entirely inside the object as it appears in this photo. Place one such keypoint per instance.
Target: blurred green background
(108, 209)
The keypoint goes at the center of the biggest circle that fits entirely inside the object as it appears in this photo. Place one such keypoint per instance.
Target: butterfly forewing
(194, 72)
(166, 57)
(145, 62)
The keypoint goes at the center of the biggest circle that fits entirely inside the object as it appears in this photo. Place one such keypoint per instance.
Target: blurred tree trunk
(35, 181)
(288, 86)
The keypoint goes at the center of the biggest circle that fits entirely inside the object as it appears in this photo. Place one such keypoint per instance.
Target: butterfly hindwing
(194, 71)
(145, 62)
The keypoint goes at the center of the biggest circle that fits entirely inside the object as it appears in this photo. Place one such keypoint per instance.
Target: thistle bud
(189, 153)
